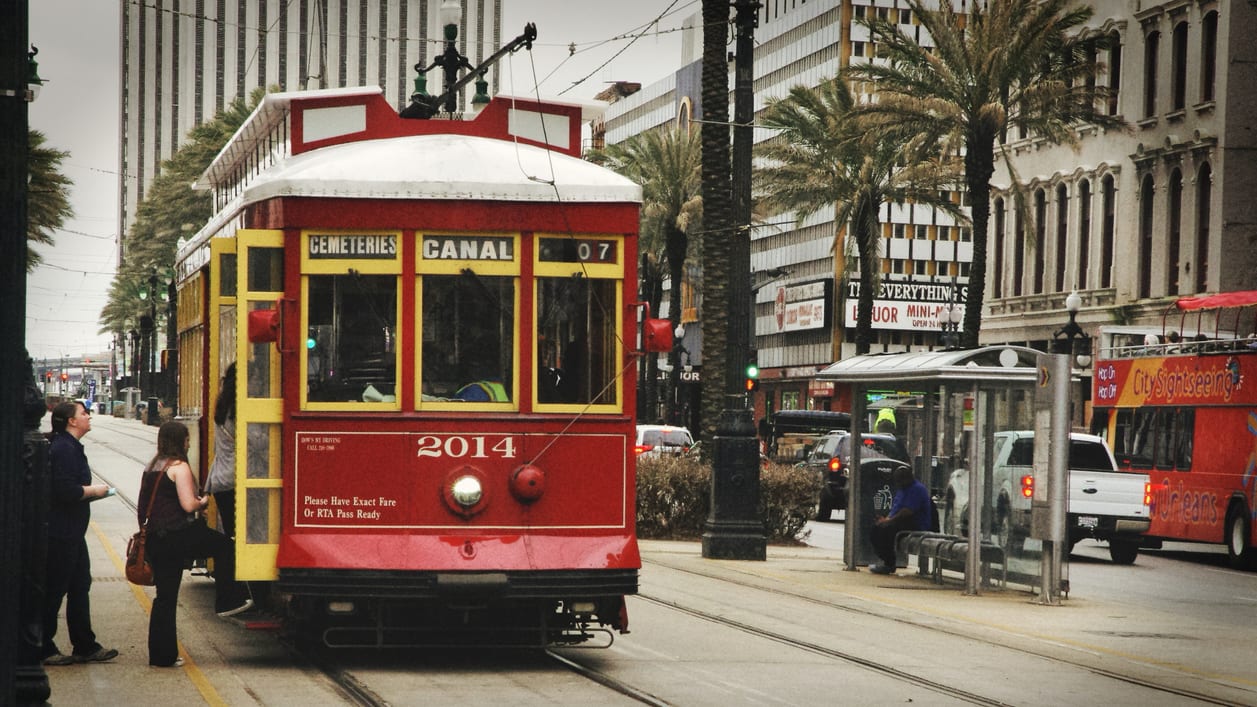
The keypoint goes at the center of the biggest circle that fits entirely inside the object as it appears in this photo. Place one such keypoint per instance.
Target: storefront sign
(905, 306)
(803, 307)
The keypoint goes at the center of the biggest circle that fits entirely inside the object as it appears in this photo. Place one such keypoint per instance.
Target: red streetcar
(435, 331)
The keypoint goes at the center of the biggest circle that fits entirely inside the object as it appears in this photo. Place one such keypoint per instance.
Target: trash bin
(877, 490)
(153, 417)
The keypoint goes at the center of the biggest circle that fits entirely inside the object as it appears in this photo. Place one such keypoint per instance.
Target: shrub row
(674, 499)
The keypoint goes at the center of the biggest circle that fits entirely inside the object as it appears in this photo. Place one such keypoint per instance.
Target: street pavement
(1121, 636)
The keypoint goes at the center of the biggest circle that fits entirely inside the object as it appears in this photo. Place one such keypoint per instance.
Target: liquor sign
(905, 306)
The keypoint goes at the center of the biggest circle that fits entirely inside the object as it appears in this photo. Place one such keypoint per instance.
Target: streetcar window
(350, 354)
(576, 340)
(468, 335)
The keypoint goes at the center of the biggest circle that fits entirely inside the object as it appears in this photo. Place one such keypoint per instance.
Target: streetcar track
(607, 681)
(876, 667)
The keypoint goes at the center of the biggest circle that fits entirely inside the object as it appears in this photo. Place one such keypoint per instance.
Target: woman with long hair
(222, 474)
(176, 534)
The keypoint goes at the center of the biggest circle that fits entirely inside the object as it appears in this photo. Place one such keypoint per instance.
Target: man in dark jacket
(69, 568)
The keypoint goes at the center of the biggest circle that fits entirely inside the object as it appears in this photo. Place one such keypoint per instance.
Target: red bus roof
(1241, 298)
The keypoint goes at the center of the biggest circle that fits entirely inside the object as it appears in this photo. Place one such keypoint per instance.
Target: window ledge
(1147, 123)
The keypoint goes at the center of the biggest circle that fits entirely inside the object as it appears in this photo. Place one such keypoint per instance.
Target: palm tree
(824, 156)
(1021, 64)
(170, 210)
(667, 165)
(718, 376)
(48, 199)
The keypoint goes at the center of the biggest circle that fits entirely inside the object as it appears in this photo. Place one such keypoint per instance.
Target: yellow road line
(203, 685)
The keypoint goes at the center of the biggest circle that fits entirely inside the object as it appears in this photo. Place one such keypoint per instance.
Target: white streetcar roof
(441, 166)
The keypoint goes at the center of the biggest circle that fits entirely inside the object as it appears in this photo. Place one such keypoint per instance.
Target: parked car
(831, 457)
(654, 440)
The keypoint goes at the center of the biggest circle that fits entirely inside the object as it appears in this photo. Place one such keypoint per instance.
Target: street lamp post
(1073, 340)
(949, 318)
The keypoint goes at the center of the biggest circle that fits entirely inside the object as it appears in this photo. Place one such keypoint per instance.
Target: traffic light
(65, 376)
(752, 377)
(48, 375)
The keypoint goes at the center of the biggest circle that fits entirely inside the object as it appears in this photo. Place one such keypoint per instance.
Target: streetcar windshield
(468, 333)
(350, 343)
(576, 340)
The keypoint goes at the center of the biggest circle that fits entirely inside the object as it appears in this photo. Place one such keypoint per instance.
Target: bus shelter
(959, 402)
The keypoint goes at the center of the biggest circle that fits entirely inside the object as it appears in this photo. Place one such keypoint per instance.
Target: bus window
(1163, 457)
(1185, 428)
(468, 335)
(576, 340)
(350, 343)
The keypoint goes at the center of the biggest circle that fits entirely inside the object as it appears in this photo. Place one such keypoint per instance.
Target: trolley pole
(735, 530)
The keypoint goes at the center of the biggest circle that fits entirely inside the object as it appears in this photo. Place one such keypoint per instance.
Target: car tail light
(643, 448)
(1027, 486)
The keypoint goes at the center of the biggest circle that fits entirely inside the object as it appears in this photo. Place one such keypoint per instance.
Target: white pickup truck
(1104, 503)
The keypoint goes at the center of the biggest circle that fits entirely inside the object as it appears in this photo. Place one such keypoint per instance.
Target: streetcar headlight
(467, 491)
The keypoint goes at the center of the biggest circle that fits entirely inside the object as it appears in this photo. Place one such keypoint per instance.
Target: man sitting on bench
(909, 510)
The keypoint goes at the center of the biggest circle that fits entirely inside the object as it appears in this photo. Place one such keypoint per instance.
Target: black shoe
(178, 662)
(879, 568)
(60, 659)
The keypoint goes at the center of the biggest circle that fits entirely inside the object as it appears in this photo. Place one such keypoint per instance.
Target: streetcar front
(436, 338)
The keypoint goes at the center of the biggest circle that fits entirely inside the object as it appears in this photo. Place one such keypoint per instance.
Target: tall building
(183, 61)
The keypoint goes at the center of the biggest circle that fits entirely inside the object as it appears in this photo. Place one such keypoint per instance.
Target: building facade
(183, 61)
(1130, 219)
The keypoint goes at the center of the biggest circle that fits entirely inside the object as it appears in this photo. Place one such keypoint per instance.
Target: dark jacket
(68, 513)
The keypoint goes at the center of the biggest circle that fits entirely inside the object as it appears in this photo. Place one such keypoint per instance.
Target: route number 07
(472, 446)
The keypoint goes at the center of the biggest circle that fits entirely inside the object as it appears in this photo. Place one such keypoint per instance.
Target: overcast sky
(78, 111)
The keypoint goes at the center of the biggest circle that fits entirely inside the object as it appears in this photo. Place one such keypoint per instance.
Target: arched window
(1062, 234)
(1115, 71)
(1174, 214)
(1108, 227)
(1040, 239)
(1204, 193)
(1084, 234)
(999, 248)
(1151, 43)
(1145, 236)
(1208, 55)
(1178, 89)
(1019, 253)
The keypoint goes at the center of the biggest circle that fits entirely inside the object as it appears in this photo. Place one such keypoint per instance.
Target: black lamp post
(1066, 336)
(950, 317)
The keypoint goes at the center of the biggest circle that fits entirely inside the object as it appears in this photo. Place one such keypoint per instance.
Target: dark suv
(832, 458)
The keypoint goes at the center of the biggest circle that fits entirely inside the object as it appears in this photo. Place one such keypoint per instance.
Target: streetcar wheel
(1123, 552)
(1239, 550)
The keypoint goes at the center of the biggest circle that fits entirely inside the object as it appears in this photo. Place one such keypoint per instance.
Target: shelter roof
(990, 364)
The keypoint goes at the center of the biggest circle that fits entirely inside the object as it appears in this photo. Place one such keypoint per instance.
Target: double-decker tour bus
(1181, 404)
(434, 331)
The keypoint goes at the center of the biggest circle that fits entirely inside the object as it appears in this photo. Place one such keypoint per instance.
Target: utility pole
(734, 529)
